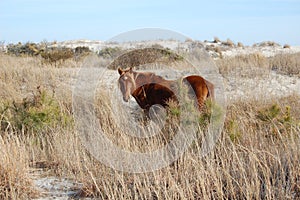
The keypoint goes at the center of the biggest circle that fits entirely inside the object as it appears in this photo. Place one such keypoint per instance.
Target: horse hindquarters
(200, 87)
(211, 89)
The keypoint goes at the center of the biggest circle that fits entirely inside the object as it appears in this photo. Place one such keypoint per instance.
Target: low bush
(239, 44)
(50, 55)
(144, 56)
(216, 40)
(229, 43)
(267, 44)
(31, 49)
(110, 52)
(33, 115)
(57, 56)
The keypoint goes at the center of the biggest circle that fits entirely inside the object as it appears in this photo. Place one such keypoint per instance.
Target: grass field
(256, 157)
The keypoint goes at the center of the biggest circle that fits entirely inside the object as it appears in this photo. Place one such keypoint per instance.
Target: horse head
(126, 82)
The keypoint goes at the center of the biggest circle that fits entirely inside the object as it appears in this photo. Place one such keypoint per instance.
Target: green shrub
(278, 119)
(206, 114)
(233, 130)
(269, 114)
(33, 115)
(174, 109)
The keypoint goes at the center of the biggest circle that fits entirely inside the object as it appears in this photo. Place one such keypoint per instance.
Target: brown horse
(149, 89)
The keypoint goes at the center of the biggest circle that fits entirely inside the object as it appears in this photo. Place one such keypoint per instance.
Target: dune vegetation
(256, 157)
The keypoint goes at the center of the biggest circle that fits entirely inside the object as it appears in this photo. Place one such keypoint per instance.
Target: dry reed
(257, 156)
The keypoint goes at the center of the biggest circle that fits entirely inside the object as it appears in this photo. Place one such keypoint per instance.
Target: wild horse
(149, 89)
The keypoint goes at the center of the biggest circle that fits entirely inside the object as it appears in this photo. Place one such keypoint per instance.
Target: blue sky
(246, 21)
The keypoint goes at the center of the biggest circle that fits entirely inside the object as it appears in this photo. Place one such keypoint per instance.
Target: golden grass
(256, 157)
(287, 64)
(15, 182)
(244, 65)
(261, 163)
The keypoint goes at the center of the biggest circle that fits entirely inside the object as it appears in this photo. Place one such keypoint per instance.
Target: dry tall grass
(244, 65)
(287, 64)
(15, 182)
(257, 156)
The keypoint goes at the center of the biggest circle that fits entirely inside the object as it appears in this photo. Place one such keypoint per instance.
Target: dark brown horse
(153, 93)
(149, 89)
